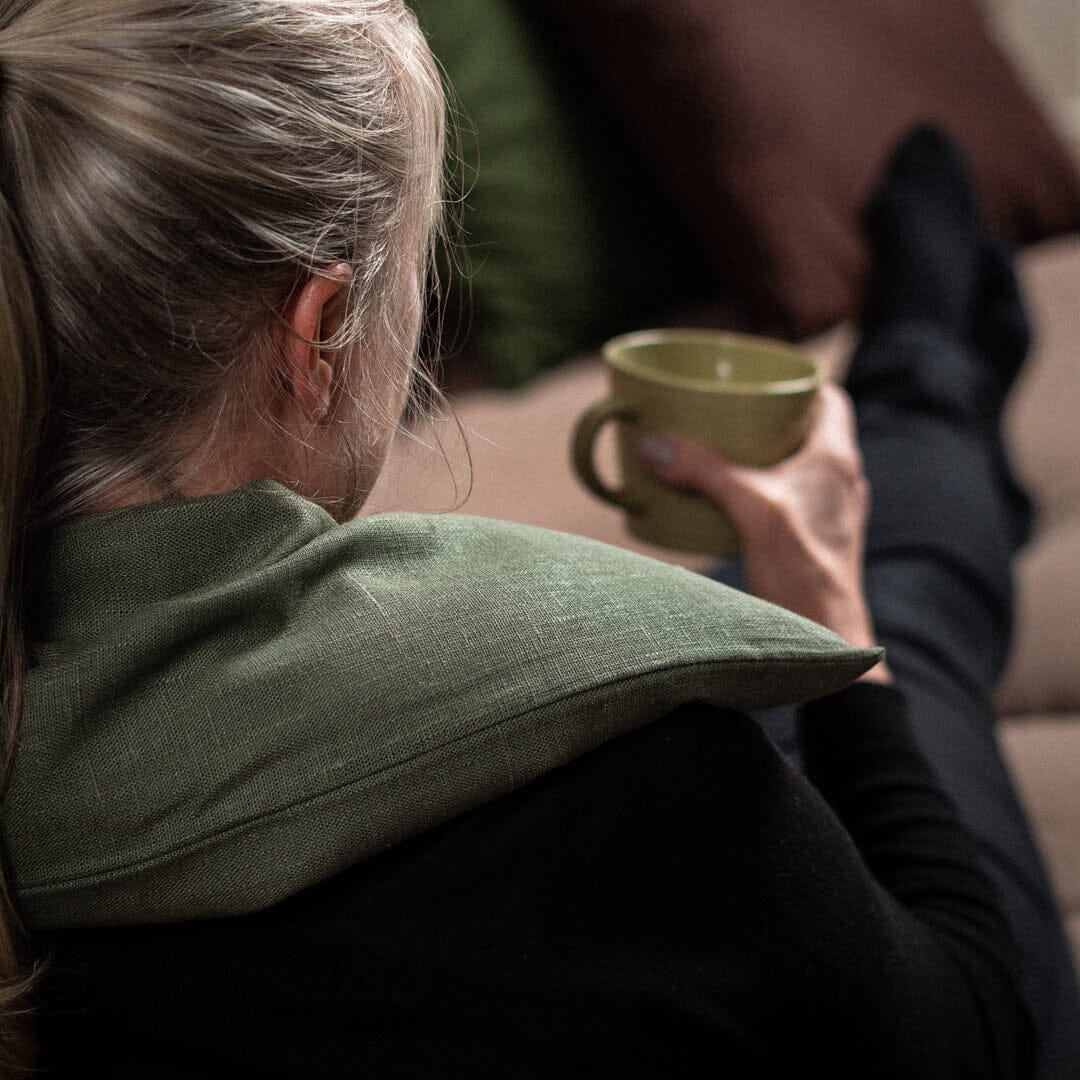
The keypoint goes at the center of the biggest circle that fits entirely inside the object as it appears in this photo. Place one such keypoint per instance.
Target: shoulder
(677, 799)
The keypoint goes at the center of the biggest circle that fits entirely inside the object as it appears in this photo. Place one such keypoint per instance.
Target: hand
(802, 523)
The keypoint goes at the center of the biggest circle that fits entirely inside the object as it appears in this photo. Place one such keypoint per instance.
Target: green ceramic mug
(749, 398)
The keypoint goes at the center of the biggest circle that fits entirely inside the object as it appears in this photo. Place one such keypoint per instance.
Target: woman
(407, 796)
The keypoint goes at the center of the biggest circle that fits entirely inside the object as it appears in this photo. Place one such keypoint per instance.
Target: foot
(936, 265)
(922, 226)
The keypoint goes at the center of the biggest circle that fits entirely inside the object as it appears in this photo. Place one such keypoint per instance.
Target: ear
(308, 374)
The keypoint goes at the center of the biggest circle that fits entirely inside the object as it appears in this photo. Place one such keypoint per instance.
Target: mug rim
(612, 354)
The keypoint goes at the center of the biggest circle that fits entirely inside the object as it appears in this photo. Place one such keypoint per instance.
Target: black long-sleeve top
(679, 902)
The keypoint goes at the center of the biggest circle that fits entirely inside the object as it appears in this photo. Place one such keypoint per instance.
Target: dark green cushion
(564, 238)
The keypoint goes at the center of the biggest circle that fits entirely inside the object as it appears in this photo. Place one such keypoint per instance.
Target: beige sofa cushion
(1044, 754)
(1044, 675)
(1040, 694)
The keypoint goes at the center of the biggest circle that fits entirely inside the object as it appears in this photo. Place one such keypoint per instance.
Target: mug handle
(588, 427)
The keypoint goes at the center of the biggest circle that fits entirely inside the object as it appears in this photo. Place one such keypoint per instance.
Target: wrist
(850, 619)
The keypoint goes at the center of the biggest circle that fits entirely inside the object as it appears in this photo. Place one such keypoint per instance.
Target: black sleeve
(860, 753)
(680, 903)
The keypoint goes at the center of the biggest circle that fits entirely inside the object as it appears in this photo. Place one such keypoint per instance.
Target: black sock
(935, 265)
(929, 249)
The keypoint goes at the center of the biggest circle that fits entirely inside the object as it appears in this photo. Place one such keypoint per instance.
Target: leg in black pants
(938, 580)
(944, 335)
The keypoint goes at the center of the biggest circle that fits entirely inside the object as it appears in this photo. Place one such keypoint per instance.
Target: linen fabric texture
(234, 697)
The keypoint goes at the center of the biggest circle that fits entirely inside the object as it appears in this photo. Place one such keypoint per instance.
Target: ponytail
(22, 397)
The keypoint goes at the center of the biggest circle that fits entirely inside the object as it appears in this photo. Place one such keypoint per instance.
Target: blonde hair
(170, 172)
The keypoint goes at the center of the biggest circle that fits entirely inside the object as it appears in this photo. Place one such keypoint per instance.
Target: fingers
(752, 498)
(820, 488)
(687, 464)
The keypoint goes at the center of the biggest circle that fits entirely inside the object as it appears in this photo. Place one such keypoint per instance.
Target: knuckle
(847, 462)
(777, 513)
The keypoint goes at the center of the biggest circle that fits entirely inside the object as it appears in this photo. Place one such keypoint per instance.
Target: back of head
(170, 172)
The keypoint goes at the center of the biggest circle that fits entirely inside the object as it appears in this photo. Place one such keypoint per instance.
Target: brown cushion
(772, 119)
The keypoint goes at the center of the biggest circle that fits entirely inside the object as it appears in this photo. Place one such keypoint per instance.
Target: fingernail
(657, 449)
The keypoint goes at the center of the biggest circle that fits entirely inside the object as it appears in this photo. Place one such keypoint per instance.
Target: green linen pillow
(564, 237)
(235, 698)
